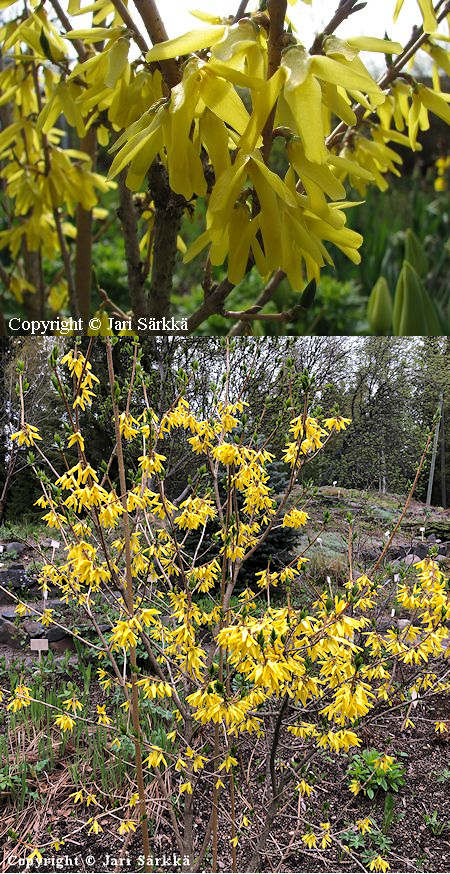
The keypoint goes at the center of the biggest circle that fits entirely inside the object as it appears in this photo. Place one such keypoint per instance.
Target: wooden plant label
(39, 644)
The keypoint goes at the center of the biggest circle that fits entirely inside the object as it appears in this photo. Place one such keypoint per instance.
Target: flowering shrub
(247, 678)
(209, 119)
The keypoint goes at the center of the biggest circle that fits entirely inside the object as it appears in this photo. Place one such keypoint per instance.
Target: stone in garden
(403, 623)
(14, 546)
(33, 628)
(411, 559)
(17, 578)
(421, 549)
(10, 634)
(65, 644)
(55, 634)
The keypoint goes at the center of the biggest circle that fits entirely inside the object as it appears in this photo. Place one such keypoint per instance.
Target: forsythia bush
(195, 118)
(277, 680)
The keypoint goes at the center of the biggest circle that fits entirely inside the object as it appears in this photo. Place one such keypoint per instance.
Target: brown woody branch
(169, 208)
(157, 32)
(131, 24)
(418, 38)
(241, 10)
(83, 249)
(344, 10)
(265, 296)
(277, 15)
(77, 43)
(128, 216)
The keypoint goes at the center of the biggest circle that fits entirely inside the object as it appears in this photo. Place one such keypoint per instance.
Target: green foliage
(365, 768)
(379, 308)
(436, 826)
(413, 312)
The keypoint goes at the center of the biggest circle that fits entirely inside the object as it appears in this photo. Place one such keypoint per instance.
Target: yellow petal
(117, 61)
(305, 103)
(190, 42)
(398, 7)
(347, 75)
(240, 235)
(94, 34)
(435, 103)
(429, 17)
(371, 44)
(222, 99)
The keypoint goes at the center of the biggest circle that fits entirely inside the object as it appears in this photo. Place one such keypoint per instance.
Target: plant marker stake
(39, 644)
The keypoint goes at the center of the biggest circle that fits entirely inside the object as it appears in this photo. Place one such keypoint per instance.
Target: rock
(10, 634)
(66, 643)
(402, 624)
(420, 548)
(384, 623)
(33, 628)
(411, 559)
(17, 578)
(56, 634)
(397, 552)
(50, 543)
(14, 546)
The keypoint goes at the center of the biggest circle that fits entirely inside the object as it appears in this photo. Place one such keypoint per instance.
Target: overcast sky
(373, 20)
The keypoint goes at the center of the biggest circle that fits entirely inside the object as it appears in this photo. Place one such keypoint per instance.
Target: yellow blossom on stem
(102, 719)
(95, 827)
(21, 698)
(379, 864)
(27, 435)
(126, 826)
(35, 854)
(65, 722)
(76, 438)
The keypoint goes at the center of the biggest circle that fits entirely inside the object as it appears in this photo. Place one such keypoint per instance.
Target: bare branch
(157, 32)
(344, 10)
(77, 43)
(83, 247)
(418, 38)
(266, 295)
(212, 305)
(277, 13)
(169, 209)
(131, 24)
(241, 10)
(128, 217)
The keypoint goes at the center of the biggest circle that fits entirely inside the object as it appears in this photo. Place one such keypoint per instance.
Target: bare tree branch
(418, 38)
(277, 14)
(157, 32)
(266, 295)
(77, 43)
(136, 279)
(344, 10)
(241, 10)
(131, 24)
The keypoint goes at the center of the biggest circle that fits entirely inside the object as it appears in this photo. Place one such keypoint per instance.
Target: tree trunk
(443, 480)
(83, 252)
(434, 452)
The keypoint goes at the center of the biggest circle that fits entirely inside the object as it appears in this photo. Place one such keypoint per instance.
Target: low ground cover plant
(218, 701)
